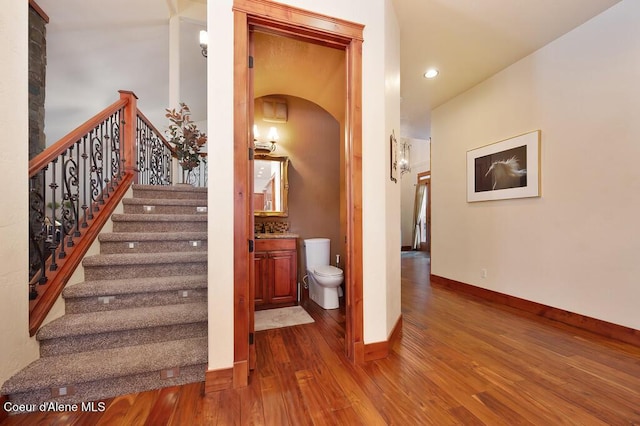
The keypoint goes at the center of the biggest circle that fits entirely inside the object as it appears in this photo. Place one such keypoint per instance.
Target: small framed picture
(393, 158)
(505, 169)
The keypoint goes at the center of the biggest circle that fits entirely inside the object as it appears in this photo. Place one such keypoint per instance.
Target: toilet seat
(327, 271)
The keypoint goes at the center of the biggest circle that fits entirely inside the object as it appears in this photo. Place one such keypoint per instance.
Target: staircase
(139, 320)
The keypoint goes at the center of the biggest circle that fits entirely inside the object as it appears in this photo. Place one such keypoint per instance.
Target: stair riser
(135, 226)
(103, 389)
(173, 195)
(118, 339)
(113, 272)
(110, 247)
(160, 209)
(93, 304)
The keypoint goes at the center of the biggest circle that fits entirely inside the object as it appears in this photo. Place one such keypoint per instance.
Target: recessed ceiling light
(431, 73)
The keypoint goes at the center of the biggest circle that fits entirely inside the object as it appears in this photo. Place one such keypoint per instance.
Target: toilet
(324, 280)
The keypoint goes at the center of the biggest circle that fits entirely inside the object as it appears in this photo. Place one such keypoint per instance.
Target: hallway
(460, 360)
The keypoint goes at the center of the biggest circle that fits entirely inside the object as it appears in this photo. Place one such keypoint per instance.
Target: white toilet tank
(317, 252)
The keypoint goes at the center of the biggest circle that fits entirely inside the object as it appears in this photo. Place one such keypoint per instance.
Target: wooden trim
(268, 11)
(240, 374)
(354, 330)
(39, 308)
(380, 350)
(311, 27)
(421, 175)
(242, 197)
(374, 351)
(396, 333)
(406, 248)
(218, 380)
(158, 133)
(129, 131)
(603, 328)
(39, 11)
(3, 413)
(45, 157)
(252, 354)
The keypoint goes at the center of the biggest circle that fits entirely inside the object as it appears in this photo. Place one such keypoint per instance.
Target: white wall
(576, 247)
(220, 117)
(420, 161)
(375, 169)
(393, 300)
(18, 349)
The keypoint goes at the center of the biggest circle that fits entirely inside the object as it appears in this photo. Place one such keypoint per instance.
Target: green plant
(186, 139)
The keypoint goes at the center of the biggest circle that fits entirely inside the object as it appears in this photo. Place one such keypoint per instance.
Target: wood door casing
(315, 28)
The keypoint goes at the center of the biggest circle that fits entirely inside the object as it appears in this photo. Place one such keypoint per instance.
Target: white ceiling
(92, 47)
(470, 40)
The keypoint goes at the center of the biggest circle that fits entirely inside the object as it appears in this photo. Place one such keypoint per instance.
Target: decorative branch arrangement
(186, 139)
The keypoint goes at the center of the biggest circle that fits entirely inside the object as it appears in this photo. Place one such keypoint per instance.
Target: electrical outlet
(483, 273)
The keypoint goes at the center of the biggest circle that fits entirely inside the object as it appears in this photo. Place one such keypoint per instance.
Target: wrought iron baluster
(69, 212)
(53, 237)
(100, 156)
(85, 188)
(115, 151)
(37, 232)
(107, 157)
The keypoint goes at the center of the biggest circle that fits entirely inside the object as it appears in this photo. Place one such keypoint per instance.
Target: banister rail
(75, 185)
(46, 156)
(154, 153)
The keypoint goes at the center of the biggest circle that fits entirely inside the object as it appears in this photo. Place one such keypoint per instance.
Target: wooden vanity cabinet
(276, 272)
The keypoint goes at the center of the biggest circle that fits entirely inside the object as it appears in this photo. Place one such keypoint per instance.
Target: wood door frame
(316, 28)
(424, 178)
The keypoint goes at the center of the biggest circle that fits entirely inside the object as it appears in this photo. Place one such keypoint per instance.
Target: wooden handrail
(45, 157)
(104, 182)
(148, 123)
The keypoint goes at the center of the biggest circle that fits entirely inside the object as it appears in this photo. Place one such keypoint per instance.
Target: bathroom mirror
(270, 185)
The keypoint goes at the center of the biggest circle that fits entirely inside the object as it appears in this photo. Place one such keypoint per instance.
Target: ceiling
(94, 47)
(470, 40)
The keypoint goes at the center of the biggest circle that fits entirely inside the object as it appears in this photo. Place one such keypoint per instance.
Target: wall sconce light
(404, 157)
(265, 147)
(204, 42)
(400, 157)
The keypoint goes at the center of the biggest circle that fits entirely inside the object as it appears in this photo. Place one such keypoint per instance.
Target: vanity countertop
(274, 235)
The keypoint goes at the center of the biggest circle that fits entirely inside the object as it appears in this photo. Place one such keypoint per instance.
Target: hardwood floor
(460, 360)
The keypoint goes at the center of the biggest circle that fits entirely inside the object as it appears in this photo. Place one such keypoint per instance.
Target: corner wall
(392, 302)
(576, 248)
(18, 349)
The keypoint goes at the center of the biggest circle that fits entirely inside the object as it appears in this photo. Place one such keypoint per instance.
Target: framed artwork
(393, 158)
(506, 169)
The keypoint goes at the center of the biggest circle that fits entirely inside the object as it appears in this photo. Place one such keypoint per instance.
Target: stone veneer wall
(37, 77)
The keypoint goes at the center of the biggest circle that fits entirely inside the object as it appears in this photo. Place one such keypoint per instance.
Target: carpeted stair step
(139, 321)
(105, 373)
(140, 265)
(152, 242)
(159, 223)
(90, 331)
(105, 295)
(168, 192)
(164, 206)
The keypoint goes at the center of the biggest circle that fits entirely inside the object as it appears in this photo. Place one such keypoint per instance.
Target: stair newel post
(128, 135)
